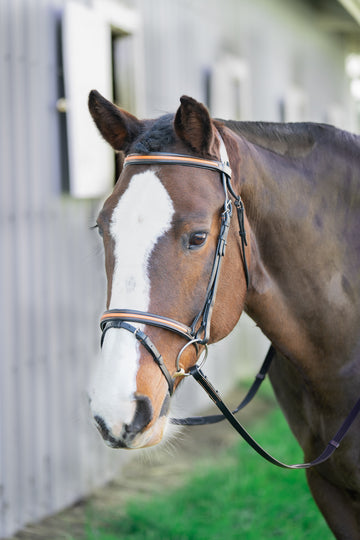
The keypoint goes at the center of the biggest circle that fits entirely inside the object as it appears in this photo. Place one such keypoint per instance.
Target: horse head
(160, 228)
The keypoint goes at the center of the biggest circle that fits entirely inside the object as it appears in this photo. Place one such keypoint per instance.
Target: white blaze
(142, 216)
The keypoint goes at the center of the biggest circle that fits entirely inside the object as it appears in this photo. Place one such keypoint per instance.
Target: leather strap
(145, 342)
(205, 314)
(214, 419)
(329, 450)
(164, 158)
(144, 317)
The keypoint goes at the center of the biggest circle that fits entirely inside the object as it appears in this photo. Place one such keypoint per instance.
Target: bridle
(198, 333)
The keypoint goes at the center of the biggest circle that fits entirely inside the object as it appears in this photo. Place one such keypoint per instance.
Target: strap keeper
(334, 443)
(260, 376)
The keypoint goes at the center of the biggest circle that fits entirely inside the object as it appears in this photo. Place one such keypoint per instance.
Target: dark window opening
(63, 135)
(123, 78)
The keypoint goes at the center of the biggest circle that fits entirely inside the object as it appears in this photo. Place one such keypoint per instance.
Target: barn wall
(285, 45)
(51, 270)
(51, 287)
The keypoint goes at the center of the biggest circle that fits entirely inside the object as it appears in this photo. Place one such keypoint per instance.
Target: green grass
(239, 495)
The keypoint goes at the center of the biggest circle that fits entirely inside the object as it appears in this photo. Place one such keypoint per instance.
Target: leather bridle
(198, 333)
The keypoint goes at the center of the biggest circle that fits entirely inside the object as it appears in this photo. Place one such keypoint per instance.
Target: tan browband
(177, 159)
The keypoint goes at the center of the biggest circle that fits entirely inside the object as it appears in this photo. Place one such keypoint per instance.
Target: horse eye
(99, 229)
(197, 239)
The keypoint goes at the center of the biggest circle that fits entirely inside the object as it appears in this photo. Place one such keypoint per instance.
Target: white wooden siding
(52, 284)
(51, 287)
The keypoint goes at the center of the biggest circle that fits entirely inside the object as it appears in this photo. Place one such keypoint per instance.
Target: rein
(199, 331)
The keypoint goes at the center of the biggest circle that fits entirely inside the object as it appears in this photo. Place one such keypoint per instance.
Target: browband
(177, 159)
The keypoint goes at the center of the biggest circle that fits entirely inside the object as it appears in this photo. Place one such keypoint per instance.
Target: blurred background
(284, 60)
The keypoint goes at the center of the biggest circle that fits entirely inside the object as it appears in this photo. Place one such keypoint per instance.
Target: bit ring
(180, 372)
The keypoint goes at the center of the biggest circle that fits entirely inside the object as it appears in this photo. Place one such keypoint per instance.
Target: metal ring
(180, 372)
(206, 352)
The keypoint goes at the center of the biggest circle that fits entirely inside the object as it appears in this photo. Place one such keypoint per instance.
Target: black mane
(293, 139)
(286, 139)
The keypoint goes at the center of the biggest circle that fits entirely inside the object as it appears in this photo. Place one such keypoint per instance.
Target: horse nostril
(126, 432)
(100, 424)
(143, 414)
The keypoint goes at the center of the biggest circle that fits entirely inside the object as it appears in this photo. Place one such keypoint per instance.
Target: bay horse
(294, 269)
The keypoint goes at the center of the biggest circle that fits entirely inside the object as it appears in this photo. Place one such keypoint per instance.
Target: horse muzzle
(126, 414)
(122, 435)
(137, 433)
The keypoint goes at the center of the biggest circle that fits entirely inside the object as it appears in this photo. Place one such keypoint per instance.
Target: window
(353, 73)
(294, 106)
(99, 44)
(229, 89)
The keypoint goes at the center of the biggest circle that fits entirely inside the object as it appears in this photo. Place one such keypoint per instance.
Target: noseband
(199, 331)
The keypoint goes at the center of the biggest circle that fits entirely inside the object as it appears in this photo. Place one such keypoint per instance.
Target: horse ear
(194, 126)
(118, 127)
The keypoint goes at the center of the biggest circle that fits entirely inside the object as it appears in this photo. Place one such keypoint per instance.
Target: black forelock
(158, 136)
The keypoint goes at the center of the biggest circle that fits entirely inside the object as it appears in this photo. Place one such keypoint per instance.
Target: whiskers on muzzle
(122, 435)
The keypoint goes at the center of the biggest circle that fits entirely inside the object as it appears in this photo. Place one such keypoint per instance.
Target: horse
(294, 269)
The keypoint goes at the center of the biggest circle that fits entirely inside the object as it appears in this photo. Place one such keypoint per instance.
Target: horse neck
(293, 241)
(270, 185)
